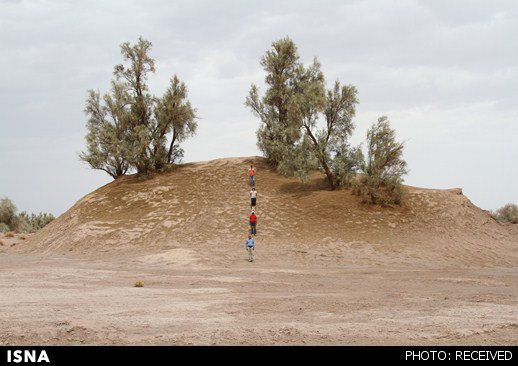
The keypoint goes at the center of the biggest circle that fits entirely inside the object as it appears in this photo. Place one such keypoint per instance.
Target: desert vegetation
(507, 213)
(305, 127)
(12, 221)
(129, 129)
(380, 180)
(8, 217)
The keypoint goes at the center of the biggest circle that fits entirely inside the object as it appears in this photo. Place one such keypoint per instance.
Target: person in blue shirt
(249, 244)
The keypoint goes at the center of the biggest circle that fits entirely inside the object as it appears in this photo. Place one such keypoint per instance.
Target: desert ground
(329, 269)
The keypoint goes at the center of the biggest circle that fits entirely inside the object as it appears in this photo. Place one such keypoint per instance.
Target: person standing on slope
(253, 223)
(253, 198)
(251, 174)
(250, 245)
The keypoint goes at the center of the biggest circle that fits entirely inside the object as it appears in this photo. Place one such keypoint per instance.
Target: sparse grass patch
(139, 284)
(10, 234)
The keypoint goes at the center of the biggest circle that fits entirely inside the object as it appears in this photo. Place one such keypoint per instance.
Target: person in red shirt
(253, 223)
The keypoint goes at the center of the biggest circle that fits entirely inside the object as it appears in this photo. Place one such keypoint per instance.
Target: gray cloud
(445, 73)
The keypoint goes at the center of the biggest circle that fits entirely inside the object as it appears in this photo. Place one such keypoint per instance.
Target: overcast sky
(444, 72)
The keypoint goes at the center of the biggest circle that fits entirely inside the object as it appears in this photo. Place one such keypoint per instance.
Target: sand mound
(199, 213)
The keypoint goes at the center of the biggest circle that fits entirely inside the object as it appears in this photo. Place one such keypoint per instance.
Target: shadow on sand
(300, 189)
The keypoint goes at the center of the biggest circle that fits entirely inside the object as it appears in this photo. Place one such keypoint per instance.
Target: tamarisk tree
(304, 127)
(277, 134)
(132, 129)
(107, 131)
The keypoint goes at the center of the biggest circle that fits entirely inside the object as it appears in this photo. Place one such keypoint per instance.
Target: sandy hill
(328, 269)
(199, 213)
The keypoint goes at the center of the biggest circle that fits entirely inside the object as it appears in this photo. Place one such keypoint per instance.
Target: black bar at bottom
(161, 355)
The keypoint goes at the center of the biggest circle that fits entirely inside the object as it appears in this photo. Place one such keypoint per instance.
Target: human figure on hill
(250, 246)
(253, 198)
(253, 223)
(251, 174)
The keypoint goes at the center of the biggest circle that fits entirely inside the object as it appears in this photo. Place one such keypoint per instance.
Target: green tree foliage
(304, 127)
(176, 117)
(132, 129)
(276, 135)
(507, 213)
(107, 131)
(329, 145)
(384, 167)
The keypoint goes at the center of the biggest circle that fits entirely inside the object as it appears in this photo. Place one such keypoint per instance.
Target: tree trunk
(170, 152)
(329, 173)
(321, 157)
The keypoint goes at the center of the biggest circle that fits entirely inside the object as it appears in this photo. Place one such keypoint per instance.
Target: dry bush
(139, 284)
(1, 243)
(22, 222)
(32, 223)
(373, 191)
(8, 213)
(10, 234)
(507, 213)
(4, 227)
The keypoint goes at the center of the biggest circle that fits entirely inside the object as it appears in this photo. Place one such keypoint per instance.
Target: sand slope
(204, 206)
(329, 269)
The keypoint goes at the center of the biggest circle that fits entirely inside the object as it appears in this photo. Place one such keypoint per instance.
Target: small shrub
(4, 227)
(1, 243)
(22, 222)
(8, 213)
(372, 190)
(23, 237)
(10, 234)
(32, 223)
(139, 284)
(507, 213)
(383, 168)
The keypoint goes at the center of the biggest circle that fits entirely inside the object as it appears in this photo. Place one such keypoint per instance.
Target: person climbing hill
(253, 223)
(253, 198)
(251, 174)
(250, 247)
